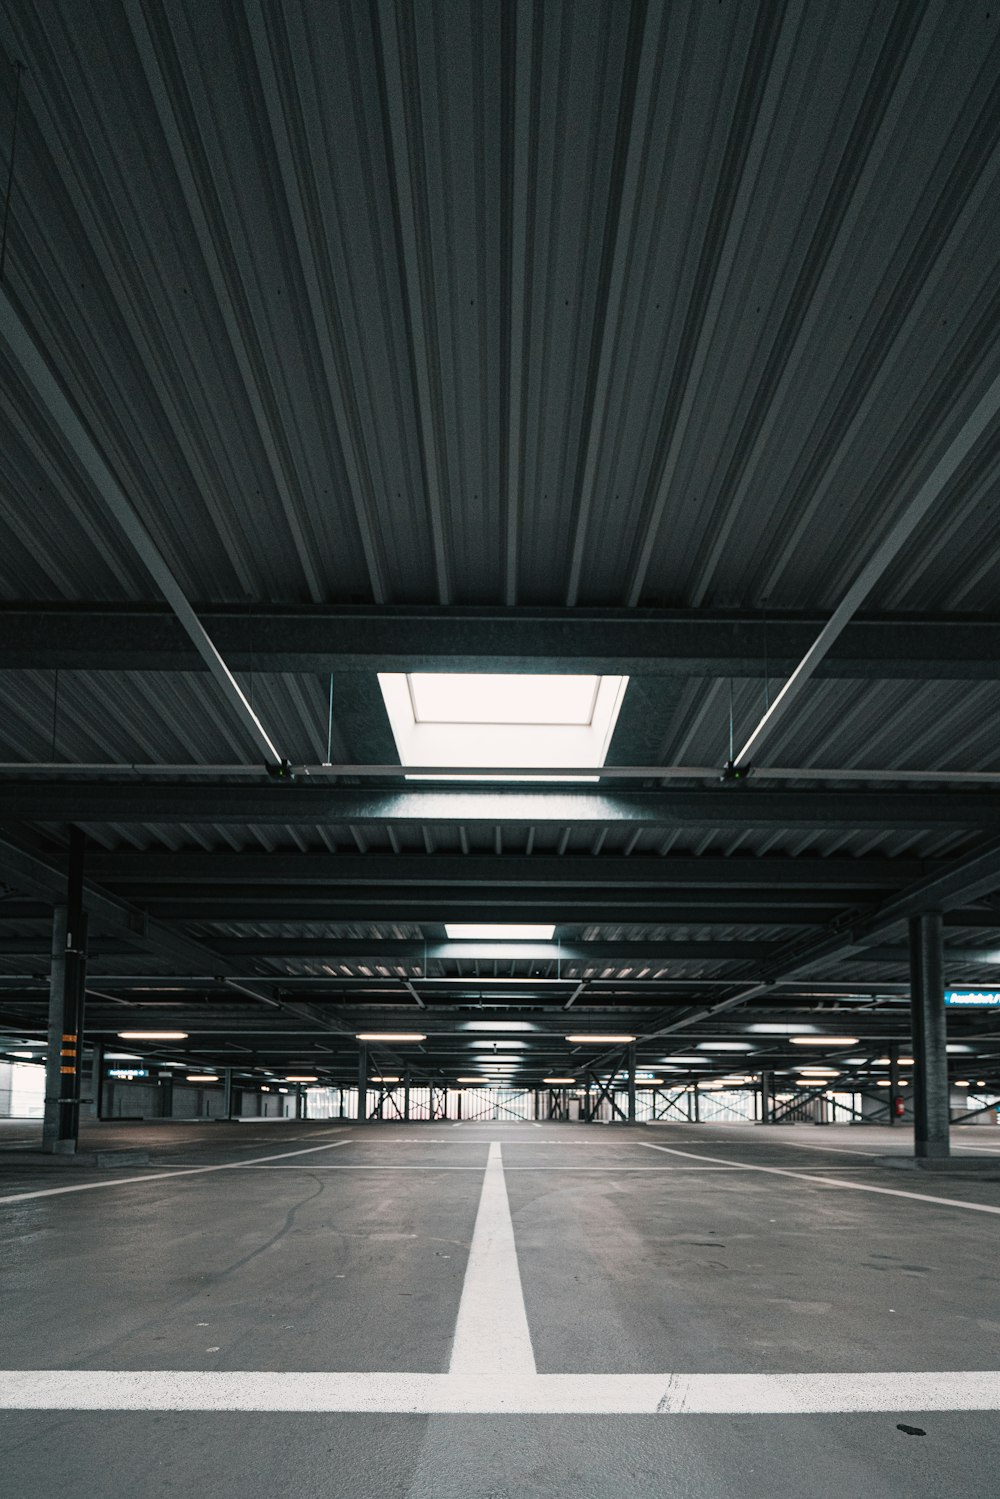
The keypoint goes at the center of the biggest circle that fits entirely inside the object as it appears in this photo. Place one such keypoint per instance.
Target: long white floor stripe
(170, 1175)
(832, 1181)
(495, 1392)
(491, 1334)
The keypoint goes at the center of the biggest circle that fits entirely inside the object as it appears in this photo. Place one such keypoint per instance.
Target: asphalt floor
(317, 1248)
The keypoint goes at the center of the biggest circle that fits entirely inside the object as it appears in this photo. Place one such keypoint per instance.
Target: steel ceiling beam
(44, 878)
(968, 878)
(737, 807)
(639, 642)
(106, 488)
(619, 954)
(976, 423)
(792, 879)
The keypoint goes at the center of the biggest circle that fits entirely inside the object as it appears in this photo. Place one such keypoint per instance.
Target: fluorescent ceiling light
(390, 1036)
(887, 1062)
(961, 1085)
(501, 1044)
(766, 1029)
(558, 1079)
(725, 1046)
(500, 932)
(480, 1081)
(667, 1060)
(600, 1040)
(153, 1035)
(201, 1077)
(817, 1071)
(29, 1054)
(498, 1025)
(824, 1040)
(302, 1078)
(508, 720)
(385, 1079)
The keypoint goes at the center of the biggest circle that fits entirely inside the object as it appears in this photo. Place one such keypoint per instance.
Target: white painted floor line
(845, 1150)
(314, 1166)
(815, 1145)
(491, 1335)
(833, 1181)
(168, 1175)
(619, 1169)
(527, 1393)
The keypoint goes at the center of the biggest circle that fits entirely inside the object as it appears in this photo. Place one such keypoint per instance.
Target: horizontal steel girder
(531, 954)
(301, 804)
(632, 641)
(784, 879)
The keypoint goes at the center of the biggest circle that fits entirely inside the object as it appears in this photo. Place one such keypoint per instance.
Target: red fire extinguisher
(899, 1107)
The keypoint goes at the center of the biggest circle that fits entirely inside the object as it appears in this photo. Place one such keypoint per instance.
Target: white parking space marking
(492, 1368)
(475, 1393)
(833, 1181)
(491, 1334)
(169, 1175)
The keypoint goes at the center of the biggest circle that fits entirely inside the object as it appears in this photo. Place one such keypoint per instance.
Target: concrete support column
(300, 1102)
(695, 1106)
(930, 1057)
(57, 999)
(893, 1081)
(362, 1112)
(631, 1083)
(406, 1094)
(227, 1092)
(766, 1097)
(166, 1096)
(61, 1116)
(97, 1080)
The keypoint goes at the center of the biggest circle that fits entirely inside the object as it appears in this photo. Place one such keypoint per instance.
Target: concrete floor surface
(322, 1247)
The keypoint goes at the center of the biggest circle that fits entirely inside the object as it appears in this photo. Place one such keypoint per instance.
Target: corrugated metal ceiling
(594, 301)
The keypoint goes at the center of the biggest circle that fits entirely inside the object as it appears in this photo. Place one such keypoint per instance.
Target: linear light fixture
(600, 1040)
(153, 1035)
(823, 1040)
(558, 1079)
(498, 1025)
(385, 1079)
(390, 1036)
(302, 1077)
(201, 1077)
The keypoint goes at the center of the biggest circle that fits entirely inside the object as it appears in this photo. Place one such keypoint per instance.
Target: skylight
(502, 720)
(487, 931)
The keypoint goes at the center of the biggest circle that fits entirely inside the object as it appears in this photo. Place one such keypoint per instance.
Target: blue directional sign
(973, 999)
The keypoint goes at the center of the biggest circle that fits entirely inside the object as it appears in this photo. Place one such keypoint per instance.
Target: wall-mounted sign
(127, 1073)
(973, 999)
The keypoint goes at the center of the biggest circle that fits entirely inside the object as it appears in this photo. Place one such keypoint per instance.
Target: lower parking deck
(495, 1311)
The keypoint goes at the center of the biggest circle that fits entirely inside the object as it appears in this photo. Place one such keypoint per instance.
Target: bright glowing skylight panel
(494, 932)
(502, 721)
(502, 697)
